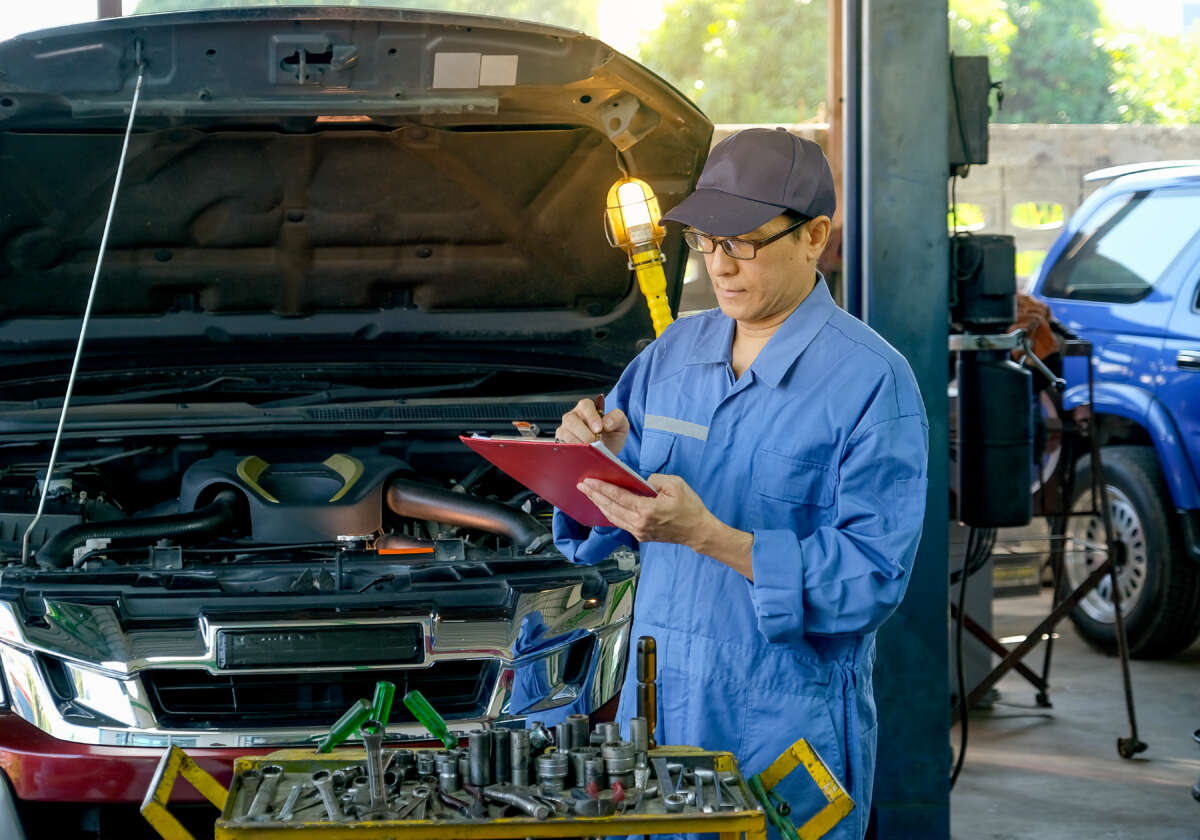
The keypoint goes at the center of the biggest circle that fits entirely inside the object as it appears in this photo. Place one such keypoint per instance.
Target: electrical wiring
(980, 543)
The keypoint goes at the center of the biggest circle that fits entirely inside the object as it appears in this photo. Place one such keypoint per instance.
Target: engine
(236, 506)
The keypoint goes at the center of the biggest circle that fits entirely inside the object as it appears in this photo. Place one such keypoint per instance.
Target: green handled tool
(429, 717)
(777, 816)
(346, 725)
(381, 706)
(837, 801)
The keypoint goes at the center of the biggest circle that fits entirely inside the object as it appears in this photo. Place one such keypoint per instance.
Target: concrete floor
(1055, 773)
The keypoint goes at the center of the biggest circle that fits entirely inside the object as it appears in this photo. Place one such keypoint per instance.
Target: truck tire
(1160, 584)
(10, 820)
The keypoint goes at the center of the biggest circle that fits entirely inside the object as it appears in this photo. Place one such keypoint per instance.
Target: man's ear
(817, 236)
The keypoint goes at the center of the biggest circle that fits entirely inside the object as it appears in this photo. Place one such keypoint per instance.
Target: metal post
(1131, 746)
(903, 110)
(851, 162)
(108, 9)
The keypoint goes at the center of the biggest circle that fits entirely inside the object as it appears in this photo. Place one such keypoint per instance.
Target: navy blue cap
(753, 176)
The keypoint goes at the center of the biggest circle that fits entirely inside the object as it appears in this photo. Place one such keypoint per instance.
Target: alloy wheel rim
(1086, 550)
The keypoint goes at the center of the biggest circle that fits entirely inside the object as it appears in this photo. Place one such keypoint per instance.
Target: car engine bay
(203, 507)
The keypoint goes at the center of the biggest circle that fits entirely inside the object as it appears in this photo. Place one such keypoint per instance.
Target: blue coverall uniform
(819, 449)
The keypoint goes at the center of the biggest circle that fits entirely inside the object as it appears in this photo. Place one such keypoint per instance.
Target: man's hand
(1034, 317)
(675, 515)
(583, 424)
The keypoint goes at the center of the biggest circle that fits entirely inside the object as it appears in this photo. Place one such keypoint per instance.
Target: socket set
(531, 774)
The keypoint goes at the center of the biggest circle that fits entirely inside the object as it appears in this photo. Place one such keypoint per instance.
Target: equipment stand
(1075, 430)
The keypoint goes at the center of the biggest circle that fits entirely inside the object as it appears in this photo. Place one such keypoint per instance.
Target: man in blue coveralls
(787, 442)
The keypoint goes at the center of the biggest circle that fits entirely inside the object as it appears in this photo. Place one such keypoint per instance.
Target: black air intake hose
(214, 519)
(422, 501)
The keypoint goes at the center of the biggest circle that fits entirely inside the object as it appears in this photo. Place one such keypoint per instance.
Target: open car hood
(342, 175)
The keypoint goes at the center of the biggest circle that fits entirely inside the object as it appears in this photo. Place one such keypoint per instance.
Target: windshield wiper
(314, 392)
(153, 393)
(358, 392)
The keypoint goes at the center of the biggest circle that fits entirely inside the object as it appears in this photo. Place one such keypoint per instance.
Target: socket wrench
(501, 756)
(289, 804)
(251, 778)
(519, 758)
(663, 771)
(324, 784)
(509, 795)
(709, 776)
(420, 796)
(479, 743)
(271, 775)
(733, 797)
(372, 738)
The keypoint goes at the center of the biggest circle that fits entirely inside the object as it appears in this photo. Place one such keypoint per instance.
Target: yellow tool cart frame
(750, 824)
(837, 801)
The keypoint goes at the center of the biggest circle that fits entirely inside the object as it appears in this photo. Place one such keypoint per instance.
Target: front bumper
(47, 769)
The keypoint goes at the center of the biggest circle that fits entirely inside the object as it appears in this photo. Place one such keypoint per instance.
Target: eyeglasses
(739, 249)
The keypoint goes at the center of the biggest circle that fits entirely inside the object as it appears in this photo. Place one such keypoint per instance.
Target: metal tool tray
(650, 817)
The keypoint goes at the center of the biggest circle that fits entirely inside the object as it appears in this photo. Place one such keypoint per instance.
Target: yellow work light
(631, 224)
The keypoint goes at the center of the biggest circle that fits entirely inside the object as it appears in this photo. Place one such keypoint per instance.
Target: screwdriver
(428, 716)
(381, 705)
(346, 725)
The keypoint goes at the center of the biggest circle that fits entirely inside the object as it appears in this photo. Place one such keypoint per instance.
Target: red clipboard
(552, 470)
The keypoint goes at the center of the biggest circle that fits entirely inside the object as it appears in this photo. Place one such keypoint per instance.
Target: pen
(599, 401)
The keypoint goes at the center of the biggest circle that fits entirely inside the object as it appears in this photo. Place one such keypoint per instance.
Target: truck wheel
(1160, 585)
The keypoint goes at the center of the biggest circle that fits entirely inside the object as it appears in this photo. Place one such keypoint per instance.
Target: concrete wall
(1046, 163)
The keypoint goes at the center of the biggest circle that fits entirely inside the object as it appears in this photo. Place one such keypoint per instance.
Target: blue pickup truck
(1125, 275)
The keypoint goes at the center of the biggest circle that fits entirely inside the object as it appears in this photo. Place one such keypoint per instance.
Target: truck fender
(1141, 407)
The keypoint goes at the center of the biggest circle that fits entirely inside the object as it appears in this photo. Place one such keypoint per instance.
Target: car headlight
(96, 692)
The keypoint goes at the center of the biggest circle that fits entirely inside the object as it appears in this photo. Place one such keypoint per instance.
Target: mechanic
(787, 442)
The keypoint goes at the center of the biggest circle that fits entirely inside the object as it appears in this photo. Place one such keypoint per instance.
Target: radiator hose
(214, 519)
(422, 501)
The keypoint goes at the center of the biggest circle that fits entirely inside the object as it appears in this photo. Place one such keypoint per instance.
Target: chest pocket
(794, 480)
(655, 452)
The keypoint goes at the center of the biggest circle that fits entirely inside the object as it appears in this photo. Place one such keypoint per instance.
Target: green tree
(1057, 69)
(1151, 78)
(1157, 76)
(744, 60)
(982, 27)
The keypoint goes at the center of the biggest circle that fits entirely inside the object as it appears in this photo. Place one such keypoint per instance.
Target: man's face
(760, 291)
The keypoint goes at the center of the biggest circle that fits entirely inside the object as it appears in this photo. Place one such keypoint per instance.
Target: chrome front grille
(102, 672)
(196, 699)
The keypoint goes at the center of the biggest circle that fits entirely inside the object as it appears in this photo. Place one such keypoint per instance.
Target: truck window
(1126, 247)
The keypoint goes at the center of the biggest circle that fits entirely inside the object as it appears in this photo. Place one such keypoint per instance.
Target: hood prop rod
(87, 312)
